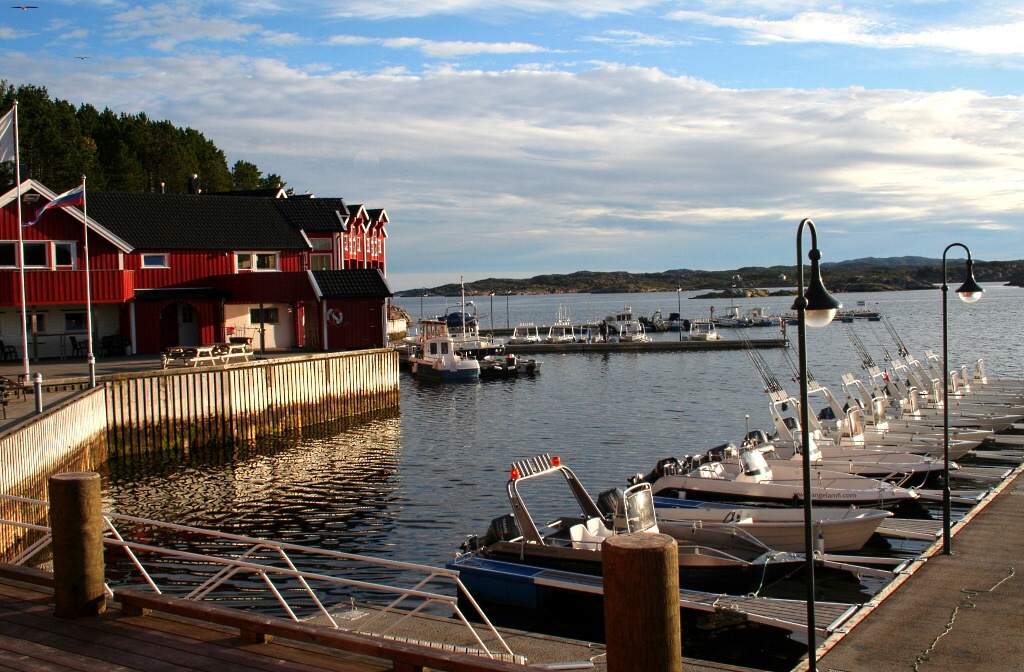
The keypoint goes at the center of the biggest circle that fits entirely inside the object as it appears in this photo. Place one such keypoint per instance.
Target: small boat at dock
(835, 529)
(703, 329)
(726, 473)
(433, 356)
(720, 560)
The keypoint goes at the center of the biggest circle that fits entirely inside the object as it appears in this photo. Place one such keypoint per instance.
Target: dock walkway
(956, 612)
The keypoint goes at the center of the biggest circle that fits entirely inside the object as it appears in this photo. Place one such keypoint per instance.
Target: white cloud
(860, 28)
(439, 49)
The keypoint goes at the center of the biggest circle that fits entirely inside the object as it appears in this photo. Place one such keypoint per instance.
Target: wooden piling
(641, 603)
(76, 521)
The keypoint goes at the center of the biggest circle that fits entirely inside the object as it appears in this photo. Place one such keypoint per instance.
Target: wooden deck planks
(31, 639)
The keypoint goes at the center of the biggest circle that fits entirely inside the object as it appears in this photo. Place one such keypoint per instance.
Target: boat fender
(502, 528)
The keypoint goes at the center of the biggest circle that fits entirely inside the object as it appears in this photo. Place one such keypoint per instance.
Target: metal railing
(210, 572)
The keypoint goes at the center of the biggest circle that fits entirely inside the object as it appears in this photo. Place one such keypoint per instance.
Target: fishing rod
(902, 349)
(865, 357)
(771, 382)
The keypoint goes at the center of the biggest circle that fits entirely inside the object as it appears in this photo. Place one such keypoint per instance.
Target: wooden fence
(70, 436)
(184, 408)
(178, 409)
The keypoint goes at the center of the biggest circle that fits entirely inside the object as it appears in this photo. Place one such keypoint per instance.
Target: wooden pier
(950, 612)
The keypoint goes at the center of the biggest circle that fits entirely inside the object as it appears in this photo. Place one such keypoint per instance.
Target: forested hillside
(60, 142)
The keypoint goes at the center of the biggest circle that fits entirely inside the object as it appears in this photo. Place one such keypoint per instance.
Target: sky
(512, 138)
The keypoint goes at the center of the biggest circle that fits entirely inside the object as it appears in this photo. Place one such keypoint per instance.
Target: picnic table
(211, 353)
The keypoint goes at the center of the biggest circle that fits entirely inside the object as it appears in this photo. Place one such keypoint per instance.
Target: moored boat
(717, 560)
(727, 473)
(434, 356)
(834, 529)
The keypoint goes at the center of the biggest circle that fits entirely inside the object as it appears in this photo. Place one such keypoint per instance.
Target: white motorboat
(835, 529)
(703, 329)
(524, 334)
(562, 330)
(624, 328)
(434, 356)
(727, 473)
(718, 560)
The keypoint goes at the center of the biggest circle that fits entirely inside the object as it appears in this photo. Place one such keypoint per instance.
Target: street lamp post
(969, 292)
(814, 308)
(679, 311)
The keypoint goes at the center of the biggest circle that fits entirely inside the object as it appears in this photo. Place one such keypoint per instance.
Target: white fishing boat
(835, 529)
(719, 560)
(525, 334)
(562, 330)
(703, 329)
(434, 356)
(727, 473)
(624, 328)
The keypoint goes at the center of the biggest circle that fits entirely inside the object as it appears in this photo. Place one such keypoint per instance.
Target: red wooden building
(173, 269)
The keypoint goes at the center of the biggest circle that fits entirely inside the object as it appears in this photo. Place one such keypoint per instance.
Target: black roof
(353, 283)
(188, 222)
(314, 214)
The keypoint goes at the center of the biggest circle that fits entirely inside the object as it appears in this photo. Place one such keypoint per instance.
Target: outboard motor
(670, 466)
(608, 501)
(502, 528)
(726, 450)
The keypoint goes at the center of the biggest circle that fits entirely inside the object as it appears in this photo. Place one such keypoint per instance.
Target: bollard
(37, 387)
(641, 603)
(76, 520)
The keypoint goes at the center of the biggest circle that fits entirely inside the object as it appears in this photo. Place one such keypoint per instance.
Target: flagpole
(90, 358)
(21, 252)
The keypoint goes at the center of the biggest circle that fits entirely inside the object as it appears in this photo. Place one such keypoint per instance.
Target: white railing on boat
(242, 555)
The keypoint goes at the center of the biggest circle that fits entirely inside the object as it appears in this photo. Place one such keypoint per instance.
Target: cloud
(435, 49)
(863, 29)
(166, 27)
(612, 167)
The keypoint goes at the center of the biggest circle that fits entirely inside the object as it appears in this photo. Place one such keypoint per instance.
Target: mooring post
(641, 603)
(76, 520)
(37, 388)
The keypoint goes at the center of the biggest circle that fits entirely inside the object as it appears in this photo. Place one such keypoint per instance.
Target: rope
(967, 602)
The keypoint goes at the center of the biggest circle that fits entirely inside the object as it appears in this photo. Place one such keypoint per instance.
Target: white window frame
(47, 259)
(253, 258)
(164, 261)
(74, 253)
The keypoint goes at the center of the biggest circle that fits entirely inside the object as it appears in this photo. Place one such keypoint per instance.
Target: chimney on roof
(193, 185)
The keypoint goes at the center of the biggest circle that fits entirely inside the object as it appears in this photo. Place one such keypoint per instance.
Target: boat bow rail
(215, 559)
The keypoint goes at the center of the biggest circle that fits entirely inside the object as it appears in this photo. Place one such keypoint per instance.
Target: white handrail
(247, 562)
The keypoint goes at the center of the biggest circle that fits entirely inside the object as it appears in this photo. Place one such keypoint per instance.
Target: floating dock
(652, 346)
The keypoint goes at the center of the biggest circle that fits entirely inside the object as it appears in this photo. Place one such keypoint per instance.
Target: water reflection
(333, 488)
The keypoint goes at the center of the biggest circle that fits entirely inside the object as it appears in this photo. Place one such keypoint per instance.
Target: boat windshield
(753, 463)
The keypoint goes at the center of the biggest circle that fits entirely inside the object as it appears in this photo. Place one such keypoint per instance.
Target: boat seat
(711, 470)
(590, 534)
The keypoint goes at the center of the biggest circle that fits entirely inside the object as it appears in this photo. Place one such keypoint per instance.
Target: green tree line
(116, 151)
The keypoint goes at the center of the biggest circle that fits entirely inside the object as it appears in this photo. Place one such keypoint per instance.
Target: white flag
(7, 137)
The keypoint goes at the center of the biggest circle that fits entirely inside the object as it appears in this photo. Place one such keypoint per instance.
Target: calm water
(412, 483)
